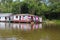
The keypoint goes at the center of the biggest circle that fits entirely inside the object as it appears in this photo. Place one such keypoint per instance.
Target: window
(16, 16)
(5, 17)
(20, 17)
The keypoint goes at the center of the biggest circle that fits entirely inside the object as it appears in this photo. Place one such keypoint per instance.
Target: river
(26, 31)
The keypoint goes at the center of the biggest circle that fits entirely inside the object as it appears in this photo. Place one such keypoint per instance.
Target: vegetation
(52, 22)
(50, 8)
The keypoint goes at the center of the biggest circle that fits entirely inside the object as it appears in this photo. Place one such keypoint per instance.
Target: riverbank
(52, 21)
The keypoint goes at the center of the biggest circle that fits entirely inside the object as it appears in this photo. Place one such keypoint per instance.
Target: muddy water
(24, 31)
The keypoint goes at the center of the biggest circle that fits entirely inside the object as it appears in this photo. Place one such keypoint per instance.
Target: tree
(16, 7)
(56, 7)
(24, 8)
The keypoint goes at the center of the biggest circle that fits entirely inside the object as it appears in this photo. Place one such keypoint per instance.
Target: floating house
(25, 18)
(19, 17)
(5, 16)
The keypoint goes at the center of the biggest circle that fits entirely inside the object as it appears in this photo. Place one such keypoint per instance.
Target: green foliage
(5, 6)
(34, 7)
(16, 7)
(56, 7)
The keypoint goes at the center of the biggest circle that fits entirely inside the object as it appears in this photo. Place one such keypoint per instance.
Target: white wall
(2, 19)
(22, 18)
(25, 18)
(7, 19)
(40, 19)
(14, 18)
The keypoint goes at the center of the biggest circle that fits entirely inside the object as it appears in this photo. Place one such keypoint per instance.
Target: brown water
(24, 31)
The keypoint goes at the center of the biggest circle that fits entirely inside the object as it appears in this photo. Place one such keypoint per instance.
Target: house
(25, 18)
(5, 16)
(21, 18)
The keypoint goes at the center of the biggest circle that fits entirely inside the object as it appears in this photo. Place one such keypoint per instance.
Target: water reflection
(23, 31)
(12, 38)
(20, 26)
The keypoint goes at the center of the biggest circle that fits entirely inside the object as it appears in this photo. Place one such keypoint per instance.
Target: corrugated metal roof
(10, 14)
(5, 14)
(24, 14)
